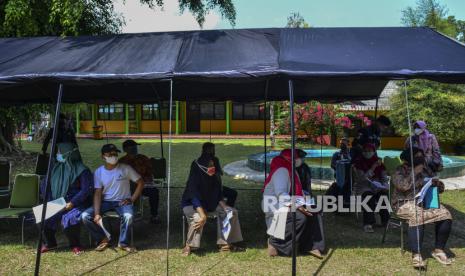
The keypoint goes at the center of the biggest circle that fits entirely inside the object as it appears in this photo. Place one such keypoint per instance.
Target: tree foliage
(296, 20)
(442, 106)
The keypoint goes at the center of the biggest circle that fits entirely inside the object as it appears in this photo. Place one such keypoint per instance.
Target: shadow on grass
(90, 271)
(323, 263)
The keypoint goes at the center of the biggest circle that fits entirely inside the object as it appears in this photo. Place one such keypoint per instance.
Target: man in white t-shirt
(113, 193)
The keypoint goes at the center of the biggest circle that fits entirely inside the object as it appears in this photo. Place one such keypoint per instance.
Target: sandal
(225, 248)
(186, 251)
(102, 245)
(127, 248)
(417, 262)
(316, 253)
(441, 257)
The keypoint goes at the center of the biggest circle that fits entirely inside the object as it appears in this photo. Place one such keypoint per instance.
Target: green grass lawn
(350, 250)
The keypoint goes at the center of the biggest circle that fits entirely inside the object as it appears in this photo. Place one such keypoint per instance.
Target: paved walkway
(239, 170)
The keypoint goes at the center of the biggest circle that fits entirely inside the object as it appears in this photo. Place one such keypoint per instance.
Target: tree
(71, 18)
(295, 20)
(437, 104)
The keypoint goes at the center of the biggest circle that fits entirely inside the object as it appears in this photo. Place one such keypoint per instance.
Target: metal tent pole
(161, 126)
(293, 209)
(168, 197)
(264, 124)
(47, 177)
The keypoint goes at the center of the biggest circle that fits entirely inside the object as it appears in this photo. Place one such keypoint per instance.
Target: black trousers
(442, 231)
(72, 233)
(230, 195)
(308, 235)
(153, 195)
(369, 217)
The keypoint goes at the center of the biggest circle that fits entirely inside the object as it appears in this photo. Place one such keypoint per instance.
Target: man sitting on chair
(111, 182)
(203, 194)
(143, 166)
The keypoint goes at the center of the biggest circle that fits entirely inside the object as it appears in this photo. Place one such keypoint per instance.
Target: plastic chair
(24, 196)
(5, 172)
(391, 164)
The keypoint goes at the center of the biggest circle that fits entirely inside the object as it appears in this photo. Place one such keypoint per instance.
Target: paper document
(307, 201)
(277, 227)
(53, 208)
(378, 185)
(421, 195)
(100, 223)
(226, 223)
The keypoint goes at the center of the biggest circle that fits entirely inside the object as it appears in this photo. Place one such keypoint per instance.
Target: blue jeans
(125, 212)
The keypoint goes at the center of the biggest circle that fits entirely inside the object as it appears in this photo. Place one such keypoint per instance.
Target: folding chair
(5, 173)
(210, 216)
(24, 196)
(159, 171)
(391, 163)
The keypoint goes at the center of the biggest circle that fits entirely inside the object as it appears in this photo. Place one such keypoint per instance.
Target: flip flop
(440, 258)
(186, 251)
(102, 245)
(127, 249)
(316, 253)
(417, 262)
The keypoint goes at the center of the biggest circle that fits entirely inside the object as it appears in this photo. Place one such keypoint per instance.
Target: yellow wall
(217, 126)
(248, 126)
(111, 126)
(147, 126)
(85, 126)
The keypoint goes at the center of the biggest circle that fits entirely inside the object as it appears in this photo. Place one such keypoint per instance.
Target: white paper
(53, 208)
(378, 185)
(277, 227)
(100, 223)
(307, 201)
(421, 195)
(226, 229)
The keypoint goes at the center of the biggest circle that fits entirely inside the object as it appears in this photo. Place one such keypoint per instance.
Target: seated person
(73, 181)
(368, 169)
(143, 166)
(404, 205)
(112, 192)
(276, 195)
(203, 194)
(316, 221)
(342, 154)
(340, 163)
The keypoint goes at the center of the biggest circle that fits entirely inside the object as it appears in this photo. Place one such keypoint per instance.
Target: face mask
(418, 161)
(211, 171)
(368, 155)
(60, 158)
(298, 162)
(112, 160)
(418, 131)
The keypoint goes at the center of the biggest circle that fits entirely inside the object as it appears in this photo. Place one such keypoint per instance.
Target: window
(111, 112)
(250, 111)
(132, 112)
(212, 111)
(85, 112)
(150, 111)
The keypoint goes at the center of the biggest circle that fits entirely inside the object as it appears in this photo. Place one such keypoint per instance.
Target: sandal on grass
(316, 253)
(102, 245)
(417, 262)
(225, 248)
(441, 257)
(77, 251)
(127, 248)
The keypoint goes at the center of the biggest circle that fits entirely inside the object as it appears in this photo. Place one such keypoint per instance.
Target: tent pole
(161, 126)
(169, 181)
(264, 123)
(409, 122)
(293, 207)
(47, 177)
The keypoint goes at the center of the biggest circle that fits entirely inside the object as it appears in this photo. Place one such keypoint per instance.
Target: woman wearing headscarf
(276, 205)
(417, 216)
(73, 181)
(427, 142)
(203, 194)
(370, 179)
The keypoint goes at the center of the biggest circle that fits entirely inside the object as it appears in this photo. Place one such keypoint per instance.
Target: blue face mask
(60, 158)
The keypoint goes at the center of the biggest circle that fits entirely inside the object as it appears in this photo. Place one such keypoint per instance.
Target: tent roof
(325, 63)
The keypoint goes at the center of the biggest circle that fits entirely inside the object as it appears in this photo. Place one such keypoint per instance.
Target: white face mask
(60, 158)
(418, 131)
(298, 162)
(112, 160)
(368, 155)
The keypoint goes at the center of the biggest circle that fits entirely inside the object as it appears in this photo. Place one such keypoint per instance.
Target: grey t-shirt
(116, 182)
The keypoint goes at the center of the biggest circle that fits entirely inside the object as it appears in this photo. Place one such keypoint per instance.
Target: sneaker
(368, 229)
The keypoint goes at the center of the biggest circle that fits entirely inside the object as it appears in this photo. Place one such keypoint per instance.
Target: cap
(109, 148)
(130, 143)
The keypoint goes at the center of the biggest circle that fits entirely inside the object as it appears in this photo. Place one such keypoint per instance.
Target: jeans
(125, 212)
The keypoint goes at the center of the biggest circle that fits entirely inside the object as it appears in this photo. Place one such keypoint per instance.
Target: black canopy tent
(327, 64)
